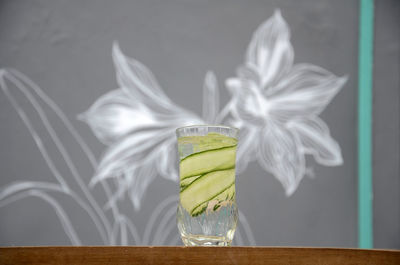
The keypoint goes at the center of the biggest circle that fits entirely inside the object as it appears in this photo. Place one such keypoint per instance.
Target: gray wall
(65, 47)
(386, 125)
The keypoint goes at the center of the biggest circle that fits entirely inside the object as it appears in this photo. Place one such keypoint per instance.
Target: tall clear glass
(207, 212)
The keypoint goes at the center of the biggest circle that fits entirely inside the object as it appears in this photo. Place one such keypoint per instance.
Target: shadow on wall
(274, 103)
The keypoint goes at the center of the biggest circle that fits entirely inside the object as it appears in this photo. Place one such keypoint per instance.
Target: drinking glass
(207, 211)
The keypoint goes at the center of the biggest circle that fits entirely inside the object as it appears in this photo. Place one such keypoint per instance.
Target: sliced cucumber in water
(195, 197)
(186, 182)
(207, 161)
(196, 144)
(226, 195)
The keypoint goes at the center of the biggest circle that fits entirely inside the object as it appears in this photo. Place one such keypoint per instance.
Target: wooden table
(195, 255)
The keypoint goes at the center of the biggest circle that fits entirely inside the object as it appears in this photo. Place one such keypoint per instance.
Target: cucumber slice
(207, 161)
(206, 188)
(196, 144)
(186, 182)
(199, 209)
(227, 195)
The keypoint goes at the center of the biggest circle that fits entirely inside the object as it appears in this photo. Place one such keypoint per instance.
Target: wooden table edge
(196, 255)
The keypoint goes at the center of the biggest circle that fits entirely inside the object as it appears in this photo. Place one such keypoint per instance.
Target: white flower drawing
(274, 102)
(137, 122)
(276, 105)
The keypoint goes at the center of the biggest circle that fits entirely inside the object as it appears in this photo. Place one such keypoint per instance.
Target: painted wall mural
(274, 102)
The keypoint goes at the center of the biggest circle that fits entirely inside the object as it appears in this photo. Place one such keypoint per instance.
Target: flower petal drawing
(139, 82)
(138, 180)
(316, 140)
(247, 101)
(270, 52)
(309, 96)
(167, 156)
(246, 147)
(132, 161)
(115, 114)
(280, 154)
(210, 98)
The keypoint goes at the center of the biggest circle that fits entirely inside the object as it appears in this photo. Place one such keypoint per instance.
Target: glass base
(211, 228)
(205, 241)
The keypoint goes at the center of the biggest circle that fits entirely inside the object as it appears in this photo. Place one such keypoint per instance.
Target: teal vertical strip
(365, 64)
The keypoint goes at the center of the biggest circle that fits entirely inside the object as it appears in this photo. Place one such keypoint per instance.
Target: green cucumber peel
(207, 161)
(208, 150)
(205, 203)
(183, 187)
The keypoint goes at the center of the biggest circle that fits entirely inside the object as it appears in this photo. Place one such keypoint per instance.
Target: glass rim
(236, 130)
